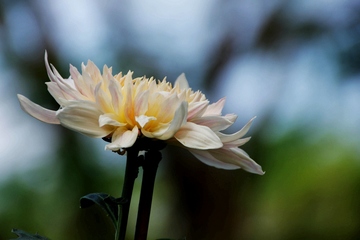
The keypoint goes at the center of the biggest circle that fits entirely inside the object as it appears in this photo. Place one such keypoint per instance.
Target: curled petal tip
(37, 111)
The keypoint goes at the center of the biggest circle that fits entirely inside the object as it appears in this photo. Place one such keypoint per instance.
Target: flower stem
(150, 165)
(131, 172)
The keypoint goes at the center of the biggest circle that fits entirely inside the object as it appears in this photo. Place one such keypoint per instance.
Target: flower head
(124, 109)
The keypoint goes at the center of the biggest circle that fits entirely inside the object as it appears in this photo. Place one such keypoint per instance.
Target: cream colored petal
(79, 82)
(231, 117)
(215, 109)
(160, 130)
(147, 134)
(123, 138)
(129, 108)
(69, 92)
(196, 136)
(237, 143)
(205, 157)
(166, 107)
(116, 96)
(83, 117)
(181, 82)
(56, 92)
(237, 157)
(216, 123)
(93, 71)
(51, 75)
(141, 103)
(232, 137)
(197, 109)
(38, 112)
(103, 99)
(142, 120)
(88, 81)
(178, 121)
(109, 119)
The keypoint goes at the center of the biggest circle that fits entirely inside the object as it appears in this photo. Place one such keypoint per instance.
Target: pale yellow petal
(141, 103)
(110, 119)
(142, 120)
(123, 138)
(178, 121)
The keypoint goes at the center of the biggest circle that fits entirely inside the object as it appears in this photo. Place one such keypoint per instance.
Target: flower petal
(123, 138)
(196, 136)
(237, 143)
(215, 109)
(143, 120)
(141, 103)
(116, 96)
(102, 99)
(197, 109)
(37, 111)
(208, 159)
(66, 86)
(181, 82)
(83, 117)
(128, 97)
(178, 121)
(232, 137)
(79, 82)
(55, 91)
(109, 119)
(216, 123)
(237, 157)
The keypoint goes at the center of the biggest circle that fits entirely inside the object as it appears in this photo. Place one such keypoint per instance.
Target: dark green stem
(150, 165)
(131, 172)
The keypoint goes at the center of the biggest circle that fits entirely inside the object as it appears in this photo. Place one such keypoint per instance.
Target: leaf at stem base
(26, 236)
(108, 203)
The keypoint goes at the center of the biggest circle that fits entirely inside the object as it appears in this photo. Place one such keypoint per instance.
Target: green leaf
(108, 203)
(26, 236)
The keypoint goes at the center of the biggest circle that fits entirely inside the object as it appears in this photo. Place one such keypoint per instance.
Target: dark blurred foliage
(310, 189)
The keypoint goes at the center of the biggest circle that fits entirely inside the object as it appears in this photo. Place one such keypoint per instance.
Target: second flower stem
(131, 173)
(150, 165)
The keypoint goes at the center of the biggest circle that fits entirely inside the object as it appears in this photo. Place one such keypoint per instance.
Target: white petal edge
(208, 159)
(215, 123)
(83, 117)
(199, 137)
(143, 120)
(109, 119)
(238, 157)
(197, 109)
(37, 111)
(182, 82)
(215, 109)
(237, 143)
(232, 137)
(178, 121)
(122, 138)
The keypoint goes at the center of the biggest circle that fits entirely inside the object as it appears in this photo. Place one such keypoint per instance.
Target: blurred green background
(293, 64)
